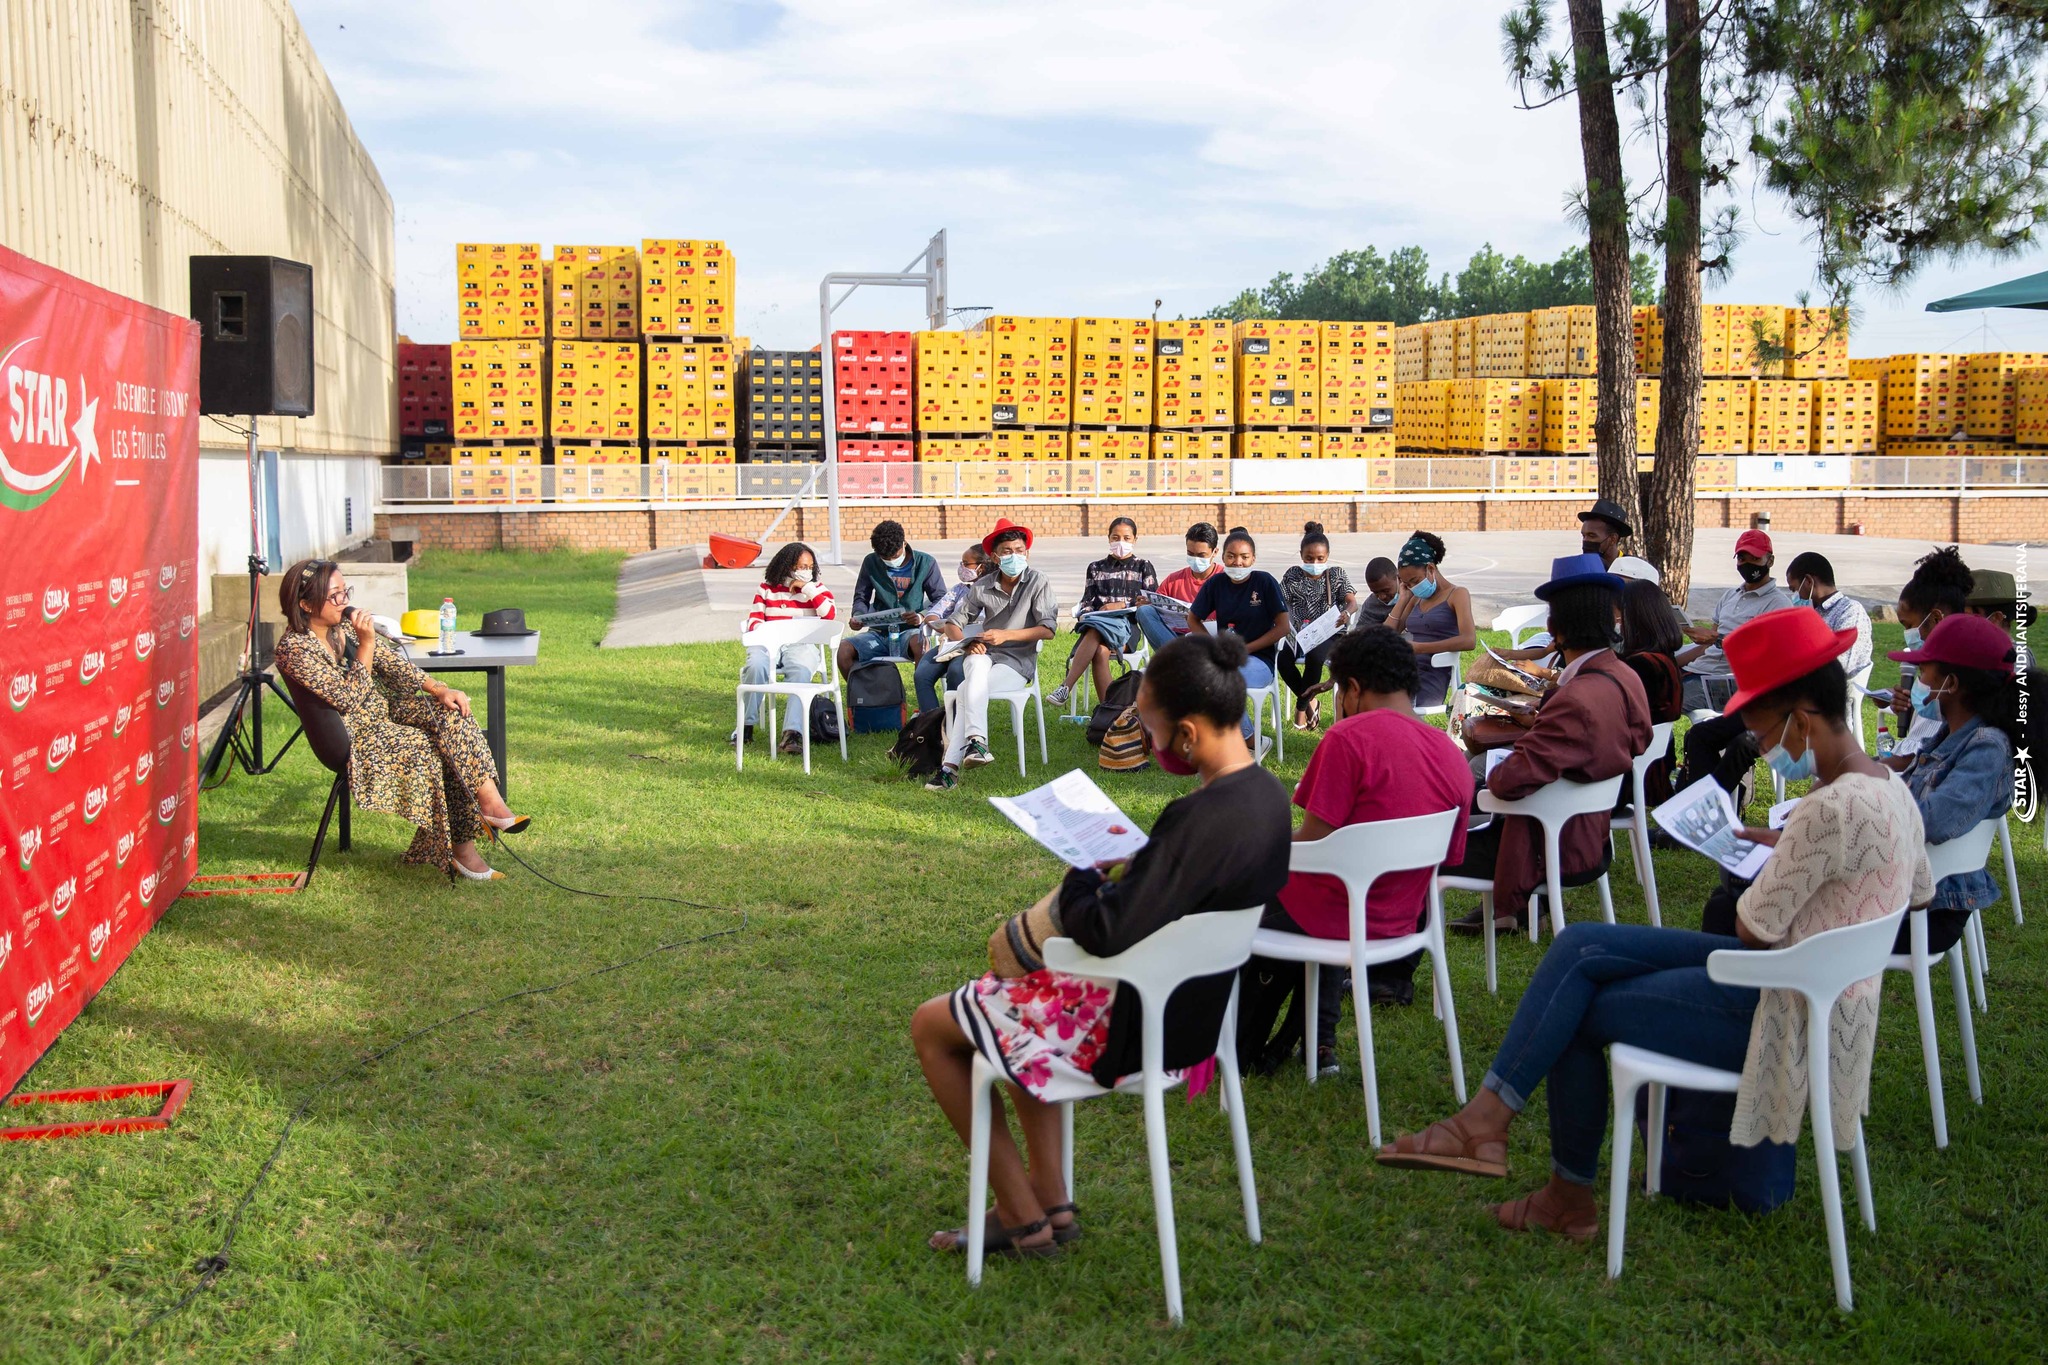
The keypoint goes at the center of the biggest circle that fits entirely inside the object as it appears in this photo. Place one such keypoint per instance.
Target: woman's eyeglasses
(340, 596)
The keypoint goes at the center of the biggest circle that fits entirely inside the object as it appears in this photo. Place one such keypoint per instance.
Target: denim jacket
(1963, 777)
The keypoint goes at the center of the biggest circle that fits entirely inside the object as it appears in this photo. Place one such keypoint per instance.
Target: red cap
(988, 542)
(1753, 542)
(1777, 647)
(1966, 642)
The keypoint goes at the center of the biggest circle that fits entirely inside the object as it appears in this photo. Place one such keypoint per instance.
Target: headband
(1416, 554)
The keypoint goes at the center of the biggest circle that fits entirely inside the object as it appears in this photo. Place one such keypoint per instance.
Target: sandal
(997, 1240)
(1484, 1155)
(1519, 1215)
(1072, 1231)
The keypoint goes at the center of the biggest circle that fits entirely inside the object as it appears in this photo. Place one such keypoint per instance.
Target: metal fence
(668, 483)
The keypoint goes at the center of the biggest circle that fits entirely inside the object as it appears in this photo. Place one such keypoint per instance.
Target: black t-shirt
(1247, 609)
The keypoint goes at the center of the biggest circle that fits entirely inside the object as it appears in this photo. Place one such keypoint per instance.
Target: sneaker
(1326, 1061)
(1058, 696)
(1400, 993)
(1265, 747)
(944, 780)
(977, 754)
(792, 743)
(737, 738)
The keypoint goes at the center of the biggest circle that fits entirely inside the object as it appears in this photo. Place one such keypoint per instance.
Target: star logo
(82, 429)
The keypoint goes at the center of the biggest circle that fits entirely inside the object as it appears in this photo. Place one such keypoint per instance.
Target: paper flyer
(1075, 820)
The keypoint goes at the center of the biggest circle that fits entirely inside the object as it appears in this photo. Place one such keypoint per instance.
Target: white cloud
(1084, 157)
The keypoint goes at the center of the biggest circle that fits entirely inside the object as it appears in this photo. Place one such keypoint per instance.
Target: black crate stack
(785, 429)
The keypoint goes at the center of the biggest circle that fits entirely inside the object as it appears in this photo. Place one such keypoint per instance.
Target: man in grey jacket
(1015, 607)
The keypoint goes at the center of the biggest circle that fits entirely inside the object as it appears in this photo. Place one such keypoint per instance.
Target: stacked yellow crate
(1569, 406)
(1845, 416)
(1253, 444)
(1501, 346)
(954, 388)
(500, 290)
(1648, 322)
(1411, 353)
(691, 471)
(1465, 348)
(596, 391)
(1923, 395)
(1817, 343)
(499, 390)
(2030, 408)
(1357, 379)
(686, 288)
(1989, 390)
(502, 473)
(973, 449)
(1780, 416)
(596, 292)
(1724, 417)
(1752, 327)
(1030, 369)
(1193, 380)
(1648, 411)
(690, 391)
(1442, 341)
(1420, 409)
(1279, 372)
(1874, 368)
(1190, 445)
(590, 472)
(1034, 443)
(1112, 372)
(1491, 416)
(1564, 342)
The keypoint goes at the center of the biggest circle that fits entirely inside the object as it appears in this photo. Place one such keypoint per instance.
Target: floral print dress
(409, 755)
(1045, 1031)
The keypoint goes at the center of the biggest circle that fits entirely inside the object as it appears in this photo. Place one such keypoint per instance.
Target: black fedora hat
(509, 621)
(1611, 513)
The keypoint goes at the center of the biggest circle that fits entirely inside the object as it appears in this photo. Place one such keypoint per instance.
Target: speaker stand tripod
(255, 678)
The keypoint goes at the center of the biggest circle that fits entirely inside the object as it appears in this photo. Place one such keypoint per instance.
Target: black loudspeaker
(255, 316)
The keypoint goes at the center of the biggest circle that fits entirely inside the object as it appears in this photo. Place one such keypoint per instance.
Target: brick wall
(1970, 519)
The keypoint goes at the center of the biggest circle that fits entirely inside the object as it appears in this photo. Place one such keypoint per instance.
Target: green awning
(2029, 291)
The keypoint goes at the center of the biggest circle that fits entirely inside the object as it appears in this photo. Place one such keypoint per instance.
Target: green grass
(727, 1152)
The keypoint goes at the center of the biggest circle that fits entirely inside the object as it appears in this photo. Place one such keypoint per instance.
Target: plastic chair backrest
(1859, 687)
(1192, 946)
(1361, 854)
(1660, 744)
(1967, 852)
(326, 732)
(1819, 968)
(1558, 802)
(1521, 621)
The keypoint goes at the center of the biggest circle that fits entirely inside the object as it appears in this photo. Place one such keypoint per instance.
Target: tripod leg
(226, 737)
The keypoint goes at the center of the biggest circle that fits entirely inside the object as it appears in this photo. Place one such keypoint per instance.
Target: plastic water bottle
(447, 625)
(1884, 739)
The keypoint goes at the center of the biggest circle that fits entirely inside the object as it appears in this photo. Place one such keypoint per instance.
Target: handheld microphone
(383, 625)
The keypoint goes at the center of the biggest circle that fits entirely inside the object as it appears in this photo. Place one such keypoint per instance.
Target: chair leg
(1037, 705)
(1240, 1132)
(1067, 1145)
(1440, 983)
(1979, 963)
(1311, 1006)
(2012, 876)
(1821, 1105)
(1017, 715)
(1859, 1163)
(1930, 1048)
(840, 706)
(1653, 1140)
(739, 734)
(1553, 872)
(1606, 899)
(1162, 1192)
(1368, 1069)
(348, 799)
(1646, 869)
(336, 792)
(1279, 733)
(1486, 923)
(1959, 978)
(1617, 1176)
(983, 1084)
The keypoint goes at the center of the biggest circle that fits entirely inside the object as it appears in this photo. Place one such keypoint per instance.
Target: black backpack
(824, 720)
(1701, 1166)
(1122, 694)
(921, 749)
(874, 694)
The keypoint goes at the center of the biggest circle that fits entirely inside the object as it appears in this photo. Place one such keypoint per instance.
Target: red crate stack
(871, 378)
(426, 400)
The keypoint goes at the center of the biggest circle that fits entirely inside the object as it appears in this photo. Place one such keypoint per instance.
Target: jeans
(870, 645)
(1719, 748)
(976, 673)
(1160, 628)
(1256, 675)
(1614, 983)
(924, 678)
(800, 663)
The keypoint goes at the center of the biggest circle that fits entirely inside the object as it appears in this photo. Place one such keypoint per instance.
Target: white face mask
(1120, 549)
(1198, 564)
(1317, 569)
(967, 573)
(801, 576)
(899, 561)
(1237, 573)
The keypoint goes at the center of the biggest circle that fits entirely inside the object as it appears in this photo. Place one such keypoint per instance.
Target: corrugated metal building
(135, 134)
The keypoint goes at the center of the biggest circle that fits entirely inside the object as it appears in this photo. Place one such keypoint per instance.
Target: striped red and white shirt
(779, 602)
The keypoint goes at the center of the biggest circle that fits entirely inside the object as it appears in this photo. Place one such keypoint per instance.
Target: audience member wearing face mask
(1939, 588)
(1708, 682)
(789, 591)
(1016, 608)
(1247, 601)
(1104, 620)
(1433, 612)
(974, 562)
(893, 577)
(1203, 563)
(1312, 588)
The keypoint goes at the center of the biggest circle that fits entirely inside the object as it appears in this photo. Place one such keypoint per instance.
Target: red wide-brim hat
(1003, 524)
(1777, 647)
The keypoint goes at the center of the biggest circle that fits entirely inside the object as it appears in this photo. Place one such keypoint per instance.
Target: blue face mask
(1926, 701)
(1424, 590)
(1198, 564)
(1011, 565)
(1912, 637)
(1317, 569)
(1792, 769)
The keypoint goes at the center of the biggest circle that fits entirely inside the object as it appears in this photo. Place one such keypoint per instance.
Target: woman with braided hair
(1433, 612)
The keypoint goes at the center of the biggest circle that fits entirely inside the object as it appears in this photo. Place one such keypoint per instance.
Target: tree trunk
(1668, 519)
(1614, 426)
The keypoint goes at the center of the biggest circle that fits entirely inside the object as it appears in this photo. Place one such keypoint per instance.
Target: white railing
(612, 485)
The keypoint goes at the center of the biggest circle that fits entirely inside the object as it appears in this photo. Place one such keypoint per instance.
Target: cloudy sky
(1085, 158)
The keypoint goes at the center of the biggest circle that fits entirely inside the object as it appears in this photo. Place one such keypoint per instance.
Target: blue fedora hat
(1579, 571)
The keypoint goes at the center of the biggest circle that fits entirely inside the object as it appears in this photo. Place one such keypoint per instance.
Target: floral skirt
(1043, 1031)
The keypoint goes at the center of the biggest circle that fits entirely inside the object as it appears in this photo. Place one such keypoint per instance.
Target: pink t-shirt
(1378, 765)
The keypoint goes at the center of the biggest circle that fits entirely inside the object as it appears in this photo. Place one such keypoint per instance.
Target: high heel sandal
(510, 824)
(489, 874)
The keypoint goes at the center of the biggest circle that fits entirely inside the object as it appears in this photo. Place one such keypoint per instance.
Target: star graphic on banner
(88, 439)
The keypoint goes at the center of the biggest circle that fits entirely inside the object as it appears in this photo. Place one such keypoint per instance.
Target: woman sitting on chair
(1852, 851)
(1105, 619)
(414, 750)
(1433, 612)
(1057, 1038)
(789, 591)
(1312, 588)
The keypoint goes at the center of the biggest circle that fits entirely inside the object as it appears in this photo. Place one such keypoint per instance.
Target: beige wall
(137, 133)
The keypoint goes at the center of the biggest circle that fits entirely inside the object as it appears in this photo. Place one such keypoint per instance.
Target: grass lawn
(727, 1152)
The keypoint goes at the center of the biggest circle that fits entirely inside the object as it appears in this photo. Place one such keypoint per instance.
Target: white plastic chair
(1820, 969)
(1259, 699)
(2012, 876)
(1636, 824)
(1359, 855)
(1965, 853)
(1523, 624)
(1078, 706)
(1551, 807)
(1453, 694)
(1015, 696)
(1194, 946)
(774, 637)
